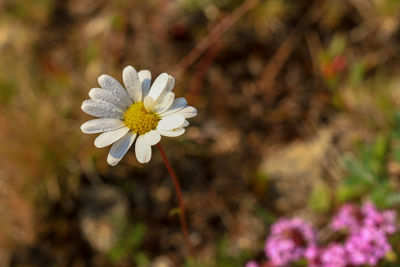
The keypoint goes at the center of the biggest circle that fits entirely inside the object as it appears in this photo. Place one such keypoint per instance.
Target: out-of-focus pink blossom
(312, 255)
(366, 243)
(252, 264)
(367, 246)
(353, 218)
(288, 241)
(349, 217)
(334, 255)
(383, 221)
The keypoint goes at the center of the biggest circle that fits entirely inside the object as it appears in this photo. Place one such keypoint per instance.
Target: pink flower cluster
(366, 243)
(367, 230)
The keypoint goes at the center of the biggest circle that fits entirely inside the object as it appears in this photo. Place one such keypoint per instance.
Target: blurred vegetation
(308, 87)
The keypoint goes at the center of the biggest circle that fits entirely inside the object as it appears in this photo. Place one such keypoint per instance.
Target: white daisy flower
(136, 113)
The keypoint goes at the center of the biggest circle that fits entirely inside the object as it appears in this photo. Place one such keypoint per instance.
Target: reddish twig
(200, 73)
(214, 35)
(180, 199)
(274, 66)
(282, 54)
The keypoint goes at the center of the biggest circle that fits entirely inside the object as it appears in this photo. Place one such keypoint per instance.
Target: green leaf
(174, 211)
(357, 72)
(358, 169)
(320, 198)
(379, 195)
(338, 45)
(345, 193)
(128, 243)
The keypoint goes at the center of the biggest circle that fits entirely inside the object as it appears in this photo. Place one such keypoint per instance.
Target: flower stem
(180, 199)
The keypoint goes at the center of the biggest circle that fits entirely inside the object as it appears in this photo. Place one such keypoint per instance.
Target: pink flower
(383, 221)
(251, 264)
(367, 246)
(288, 241)
(349, 217)
(334, 255)
(353, 218)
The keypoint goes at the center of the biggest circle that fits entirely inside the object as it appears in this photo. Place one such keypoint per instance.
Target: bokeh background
(298, 113)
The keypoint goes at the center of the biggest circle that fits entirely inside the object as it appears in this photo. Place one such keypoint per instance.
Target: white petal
(178, 104)
(170, 83)
(172, 133)
(107, 138)
(170, 122)
(159, 86)
(142, 150)
(106, 96)
(101, 125)
(188, 112)
(119, 148)
(114, 87)
(145, 81)
(185, 124)
(151, 138)
(132, 83)
(165, 102)
(149, 103)
(101, 109)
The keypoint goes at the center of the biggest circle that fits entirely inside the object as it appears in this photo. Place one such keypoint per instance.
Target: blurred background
(298, 113)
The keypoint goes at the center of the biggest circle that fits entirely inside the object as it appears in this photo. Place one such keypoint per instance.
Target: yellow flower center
(139, 120)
